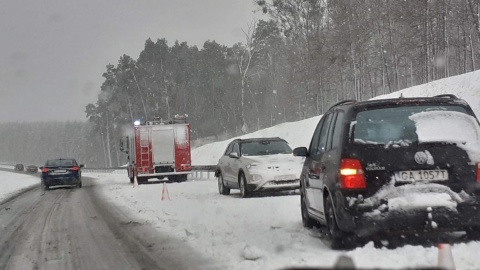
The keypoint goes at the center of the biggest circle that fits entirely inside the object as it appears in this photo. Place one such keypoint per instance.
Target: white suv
(258, 164)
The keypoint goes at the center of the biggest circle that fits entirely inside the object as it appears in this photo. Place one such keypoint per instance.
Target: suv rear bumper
(417, 220)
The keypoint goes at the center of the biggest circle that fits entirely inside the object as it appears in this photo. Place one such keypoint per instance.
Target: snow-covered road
(71, 228)
(264, 232)
(227, 232)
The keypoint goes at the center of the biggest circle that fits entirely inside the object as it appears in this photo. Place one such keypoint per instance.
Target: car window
(236, 148)
(61, 162)
(262, 148)
(384, 125)
(337, 136)
(229, 149)
(318, 144)
(322, 145)
(314, 142)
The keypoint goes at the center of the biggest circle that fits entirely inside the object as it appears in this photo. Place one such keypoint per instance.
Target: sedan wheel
(222, 189)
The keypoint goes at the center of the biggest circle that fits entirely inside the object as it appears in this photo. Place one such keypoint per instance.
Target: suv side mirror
(233, 155)
(300, 152)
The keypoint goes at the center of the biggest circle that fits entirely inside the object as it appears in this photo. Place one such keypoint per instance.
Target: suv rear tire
(339, 239)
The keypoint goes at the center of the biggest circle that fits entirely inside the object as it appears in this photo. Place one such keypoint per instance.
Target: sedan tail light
(351, 174)
(45, 170)
(75, 168)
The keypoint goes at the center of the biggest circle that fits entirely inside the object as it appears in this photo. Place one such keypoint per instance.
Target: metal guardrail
(198, 171)
(205, 168)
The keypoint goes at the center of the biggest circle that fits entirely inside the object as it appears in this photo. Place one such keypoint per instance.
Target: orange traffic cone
(135, 182)
(445, 257)
(165, 195)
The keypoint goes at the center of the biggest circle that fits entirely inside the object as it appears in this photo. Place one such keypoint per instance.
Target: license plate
(59, 171)
(423, 175)
(285, 177)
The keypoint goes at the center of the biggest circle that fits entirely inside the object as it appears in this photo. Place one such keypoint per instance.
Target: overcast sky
(53, 52)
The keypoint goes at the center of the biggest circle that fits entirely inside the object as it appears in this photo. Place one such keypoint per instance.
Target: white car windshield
(261, 148)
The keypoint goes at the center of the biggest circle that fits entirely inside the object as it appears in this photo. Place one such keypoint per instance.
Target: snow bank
(465, 86)
(295, 133)
(13, 183)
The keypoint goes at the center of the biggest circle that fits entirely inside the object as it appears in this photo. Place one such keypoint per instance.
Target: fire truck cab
(158, 149)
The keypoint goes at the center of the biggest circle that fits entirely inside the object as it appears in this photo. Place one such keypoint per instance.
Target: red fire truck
(158, 149)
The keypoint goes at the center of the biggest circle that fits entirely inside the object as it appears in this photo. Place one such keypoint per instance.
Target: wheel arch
(345, 220)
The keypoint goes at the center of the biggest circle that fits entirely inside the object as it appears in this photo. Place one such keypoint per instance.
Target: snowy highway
(68, 228)
(108, 224)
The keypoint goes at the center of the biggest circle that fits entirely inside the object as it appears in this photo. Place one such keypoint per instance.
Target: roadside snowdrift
(465, 86)
(13, 183)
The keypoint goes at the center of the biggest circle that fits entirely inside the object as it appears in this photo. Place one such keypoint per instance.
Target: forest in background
(308, 55)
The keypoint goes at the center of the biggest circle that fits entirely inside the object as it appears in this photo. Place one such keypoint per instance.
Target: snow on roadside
(295, 133)
(254, 233)
(13, 183)
(466, 86)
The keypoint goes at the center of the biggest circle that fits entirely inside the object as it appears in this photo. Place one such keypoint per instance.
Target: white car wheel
(243, 186)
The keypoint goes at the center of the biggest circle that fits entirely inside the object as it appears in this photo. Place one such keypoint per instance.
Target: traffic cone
(445, 257)
(135, 182)
(165, 195)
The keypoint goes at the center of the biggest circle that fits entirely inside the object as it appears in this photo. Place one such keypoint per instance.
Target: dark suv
(383, 167)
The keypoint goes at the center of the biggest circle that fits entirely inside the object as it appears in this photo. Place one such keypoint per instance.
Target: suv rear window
(386, 125)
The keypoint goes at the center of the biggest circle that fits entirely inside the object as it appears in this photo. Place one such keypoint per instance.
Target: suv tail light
(45, 170)
(352, 175)
(478, 172)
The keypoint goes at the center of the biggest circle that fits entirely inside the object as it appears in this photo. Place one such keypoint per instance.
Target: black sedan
(61, 172)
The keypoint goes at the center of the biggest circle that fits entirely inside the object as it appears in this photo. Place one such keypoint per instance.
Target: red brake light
(44, 170)
(75, 168)
(478, 172)
(351, 174)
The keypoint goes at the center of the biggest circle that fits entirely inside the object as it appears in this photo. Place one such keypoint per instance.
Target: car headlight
(252, 166)
(256, 177)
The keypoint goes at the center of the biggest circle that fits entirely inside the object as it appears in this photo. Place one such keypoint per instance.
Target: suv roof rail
(446, 96)
(343, 102)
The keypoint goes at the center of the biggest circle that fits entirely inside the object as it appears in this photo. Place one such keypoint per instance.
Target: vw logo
(421, 157)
